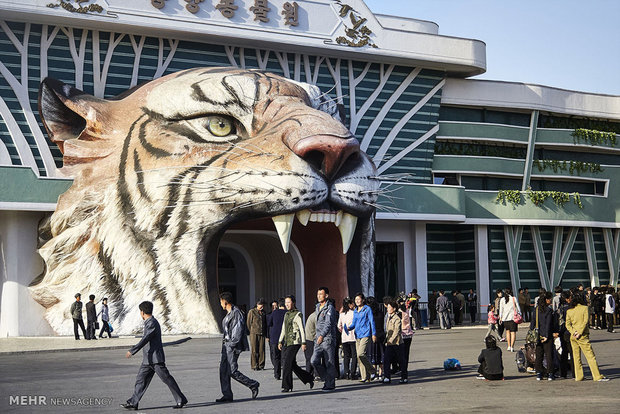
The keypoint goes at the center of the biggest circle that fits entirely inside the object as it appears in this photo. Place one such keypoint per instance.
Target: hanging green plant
(594, 137)
(512, 196)
(515, 197)
(573, 167)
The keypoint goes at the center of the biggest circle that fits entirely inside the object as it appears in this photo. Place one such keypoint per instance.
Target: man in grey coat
(153, 361)
(323, 357)
(235, 341)
(76, 314)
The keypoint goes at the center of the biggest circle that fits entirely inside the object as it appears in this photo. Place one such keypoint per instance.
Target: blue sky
(570, 44)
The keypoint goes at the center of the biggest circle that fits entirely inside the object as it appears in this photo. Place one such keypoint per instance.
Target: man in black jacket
(235, 341)
(274, 325)
(91, 318)
(153, 361)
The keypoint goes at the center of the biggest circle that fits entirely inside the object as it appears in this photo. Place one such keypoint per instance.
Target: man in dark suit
(153, 361)
(274, 325)
(91, 318)
(235, 341)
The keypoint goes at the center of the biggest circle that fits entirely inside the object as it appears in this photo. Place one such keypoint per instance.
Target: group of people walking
(91, 318)
(355, 326)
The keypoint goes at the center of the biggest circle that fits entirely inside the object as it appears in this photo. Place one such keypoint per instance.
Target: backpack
(520, 360)
(451, 364)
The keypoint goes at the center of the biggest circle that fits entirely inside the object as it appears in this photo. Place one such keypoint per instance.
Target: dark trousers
(105, 328)
(405, 347)
(472, 313)
(391, 354)
(90, 330)
(80, 323)
(145, 375)
(350, 359)
(432, 314)
(527, 314)
(610, 322)
(544, 349)
(230, 369)
(257, 357)
(289, 365)
(490, 377)
(323, 362)
(500, 329)
(276, 360)
(566, 351)
(308, 354)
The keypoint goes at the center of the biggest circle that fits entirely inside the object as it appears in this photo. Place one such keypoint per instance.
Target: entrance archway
(253, 264)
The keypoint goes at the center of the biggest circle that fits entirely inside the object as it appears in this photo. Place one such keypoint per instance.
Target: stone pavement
(98, 380)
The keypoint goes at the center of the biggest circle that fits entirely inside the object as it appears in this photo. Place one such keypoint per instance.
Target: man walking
(153, 361)
(324, 345)
(274, 325)
(105, 319)
(76, 314)
(364, 325)
(610, 309)
(235, 341)
(91, 318)
(527, 304)
(310, 338)
(472, 305)
(432, 309)
(443, 310)
(257, 324)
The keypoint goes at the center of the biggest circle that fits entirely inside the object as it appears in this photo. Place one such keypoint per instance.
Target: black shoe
(181, 404)
(224, 400)
(255, 392)
(286, 390)
(128, 406)
(326, 389)
(311, 384)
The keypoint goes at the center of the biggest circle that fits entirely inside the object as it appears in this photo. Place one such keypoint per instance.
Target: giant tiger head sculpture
(161, 172)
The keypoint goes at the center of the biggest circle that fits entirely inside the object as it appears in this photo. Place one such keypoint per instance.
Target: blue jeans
(327, 369)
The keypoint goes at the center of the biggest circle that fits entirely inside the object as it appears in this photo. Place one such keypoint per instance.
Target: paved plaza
(105, 378)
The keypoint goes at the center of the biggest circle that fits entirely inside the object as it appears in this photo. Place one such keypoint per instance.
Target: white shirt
(610, 304)
(507, 310)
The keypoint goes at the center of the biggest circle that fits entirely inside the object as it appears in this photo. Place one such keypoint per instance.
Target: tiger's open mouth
(345, 222)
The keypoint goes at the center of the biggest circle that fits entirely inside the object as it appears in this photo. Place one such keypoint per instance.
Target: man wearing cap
(76, 314)
(257, 324)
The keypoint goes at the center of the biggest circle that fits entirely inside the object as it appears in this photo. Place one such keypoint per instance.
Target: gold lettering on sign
(81, 9)
(158, 4)
(192, 6)
(290, 13)
(358, 34)
(227, 8)
(260, 10)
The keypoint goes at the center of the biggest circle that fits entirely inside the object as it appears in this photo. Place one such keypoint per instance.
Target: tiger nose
(327, 153)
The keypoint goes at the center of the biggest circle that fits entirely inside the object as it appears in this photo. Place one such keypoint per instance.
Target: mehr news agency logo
(43, 400)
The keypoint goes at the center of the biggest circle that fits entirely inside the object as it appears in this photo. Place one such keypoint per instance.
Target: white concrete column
(483, 280)
(421, 261)
(20, 263)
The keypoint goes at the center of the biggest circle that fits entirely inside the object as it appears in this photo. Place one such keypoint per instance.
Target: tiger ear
(68, 113)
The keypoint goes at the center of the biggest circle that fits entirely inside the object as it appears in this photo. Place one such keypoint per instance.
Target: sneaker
(550, 378)
(604, 379)
(372, 377)
(386, 380)
(538, 377)
(403, 381)
(502, 340)
(480, 377)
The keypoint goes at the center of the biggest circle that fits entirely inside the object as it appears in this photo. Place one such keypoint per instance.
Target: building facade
(486, 184)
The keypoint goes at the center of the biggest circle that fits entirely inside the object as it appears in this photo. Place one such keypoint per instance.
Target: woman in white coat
(508, 305)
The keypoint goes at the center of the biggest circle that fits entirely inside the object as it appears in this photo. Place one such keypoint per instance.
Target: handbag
(110, 326)
(517, 316)
(96, 325)
(532, 336)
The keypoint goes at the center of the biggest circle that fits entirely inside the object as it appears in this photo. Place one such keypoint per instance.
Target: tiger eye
(220, 126)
